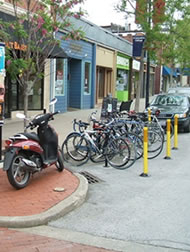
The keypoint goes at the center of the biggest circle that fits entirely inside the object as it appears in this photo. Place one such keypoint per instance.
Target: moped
(31, 152)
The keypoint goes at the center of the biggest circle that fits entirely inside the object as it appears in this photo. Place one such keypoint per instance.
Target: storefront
(122, 78)
(14, 96)
(72, 79)
(105, 73)
(168, 78)
(38, 91)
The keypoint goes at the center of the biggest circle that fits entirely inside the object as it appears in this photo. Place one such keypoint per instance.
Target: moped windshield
(20, 115)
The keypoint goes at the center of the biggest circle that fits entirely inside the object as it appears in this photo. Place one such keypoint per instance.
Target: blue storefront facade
(73, 78)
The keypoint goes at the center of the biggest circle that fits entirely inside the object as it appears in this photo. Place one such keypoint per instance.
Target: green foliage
(168, 39)
(34, 33)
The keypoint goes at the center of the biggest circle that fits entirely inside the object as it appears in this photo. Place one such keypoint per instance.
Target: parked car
(179, 90)
(169, 105)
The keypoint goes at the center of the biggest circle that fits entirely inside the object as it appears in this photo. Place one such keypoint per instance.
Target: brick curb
(57, 211)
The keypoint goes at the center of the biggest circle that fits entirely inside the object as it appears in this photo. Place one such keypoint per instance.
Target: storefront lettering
(122, 61)
(75, 47)
(16, 46)
(136, 65)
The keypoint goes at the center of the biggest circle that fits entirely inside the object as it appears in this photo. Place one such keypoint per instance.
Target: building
(90, 71)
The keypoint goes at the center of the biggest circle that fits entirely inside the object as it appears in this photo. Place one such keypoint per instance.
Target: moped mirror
(53, 101)
(20, 115)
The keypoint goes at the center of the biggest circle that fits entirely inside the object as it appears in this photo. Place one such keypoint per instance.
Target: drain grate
(91, 178)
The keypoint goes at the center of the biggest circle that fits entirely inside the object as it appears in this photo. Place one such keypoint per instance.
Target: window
(35, 95)
(122, 80)
(15, 95)
(59, 77)
(87, 78)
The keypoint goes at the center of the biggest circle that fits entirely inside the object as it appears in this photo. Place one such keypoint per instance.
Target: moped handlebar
(41, 120)
(55, 113)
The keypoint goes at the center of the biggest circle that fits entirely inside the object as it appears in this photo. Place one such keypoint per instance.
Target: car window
(171, 100)
(159, 100)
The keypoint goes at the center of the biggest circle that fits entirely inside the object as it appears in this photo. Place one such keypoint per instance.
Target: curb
(55, 212)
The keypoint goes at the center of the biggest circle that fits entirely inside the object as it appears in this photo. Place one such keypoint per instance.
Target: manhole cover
(91, 178)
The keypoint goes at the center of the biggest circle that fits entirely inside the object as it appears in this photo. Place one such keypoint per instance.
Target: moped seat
(32, 136)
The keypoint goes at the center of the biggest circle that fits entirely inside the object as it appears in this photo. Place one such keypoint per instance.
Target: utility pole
(148, 59)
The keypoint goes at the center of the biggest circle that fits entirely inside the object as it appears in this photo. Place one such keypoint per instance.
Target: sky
(101, 12)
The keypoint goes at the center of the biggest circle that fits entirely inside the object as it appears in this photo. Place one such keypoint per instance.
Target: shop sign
(121, 61)
(138, 42)
(75, 47)
(16, 46)
(136, 65)
(2, 59)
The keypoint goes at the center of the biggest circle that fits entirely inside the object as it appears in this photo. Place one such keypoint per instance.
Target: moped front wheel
(17, 176)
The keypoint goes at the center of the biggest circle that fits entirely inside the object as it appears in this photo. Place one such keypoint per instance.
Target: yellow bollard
(175, 132)
(145, 152)
(168, 141)
(149, 115)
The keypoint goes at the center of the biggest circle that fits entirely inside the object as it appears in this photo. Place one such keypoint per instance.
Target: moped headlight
(182, 115)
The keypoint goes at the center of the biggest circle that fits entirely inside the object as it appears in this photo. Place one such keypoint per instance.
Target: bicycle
(82, 146)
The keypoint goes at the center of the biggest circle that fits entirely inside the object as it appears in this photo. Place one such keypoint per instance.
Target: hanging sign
(138, 42)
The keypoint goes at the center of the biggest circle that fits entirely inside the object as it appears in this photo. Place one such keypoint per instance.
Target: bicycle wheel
(132, 147)
(155, 126)
(95, 155)
(138, 142)
(117, 153)
(76, 147)
(155, 144)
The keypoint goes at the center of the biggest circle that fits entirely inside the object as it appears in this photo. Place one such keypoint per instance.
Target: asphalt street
(150, 210)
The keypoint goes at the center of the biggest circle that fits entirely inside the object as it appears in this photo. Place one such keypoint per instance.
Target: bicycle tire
(117, 153)
(76, 147)
(155, 144)
(138, 143)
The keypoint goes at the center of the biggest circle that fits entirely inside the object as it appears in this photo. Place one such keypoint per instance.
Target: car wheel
(187, 128)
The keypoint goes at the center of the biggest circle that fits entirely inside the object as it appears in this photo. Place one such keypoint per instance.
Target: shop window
(15, 98)
(59, 77)
(87, 78)
(122, 80)
(34, 96)
(13, 94)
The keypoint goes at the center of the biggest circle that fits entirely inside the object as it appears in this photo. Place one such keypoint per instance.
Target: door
(74, 85)
(103, 83)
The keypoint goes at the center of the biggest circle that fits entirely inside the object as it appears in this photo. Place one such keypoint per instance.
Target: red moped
(30, 152)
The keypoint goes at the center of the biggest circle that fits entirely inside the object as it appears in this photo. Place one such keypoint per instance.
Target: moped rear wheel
(60, 164)
(17, 176)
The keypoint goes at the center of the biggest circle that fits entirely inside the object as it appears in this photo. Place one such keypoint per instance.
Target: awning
(168, 71)
(183, 71)
(53, 52)
(57, 53)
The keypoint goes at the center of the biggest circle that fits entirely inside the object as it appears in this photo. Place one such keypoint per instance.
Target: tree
(33, 30)
(163, 23)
